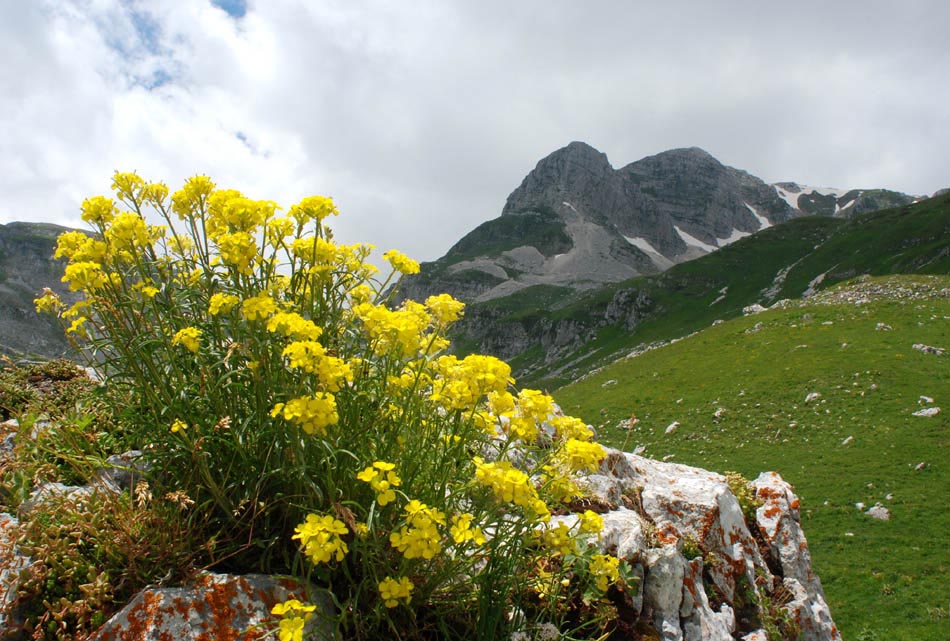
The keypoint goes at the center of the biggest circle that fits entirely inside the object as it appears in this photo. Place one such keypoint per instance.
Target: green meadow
(738, 390)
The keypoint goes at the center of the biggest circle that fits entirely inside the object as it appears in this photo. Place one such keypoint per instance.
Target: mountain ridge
(577, 222)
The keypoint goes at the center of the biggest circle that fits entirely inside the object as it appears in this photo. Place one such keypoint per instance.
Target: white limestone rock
(778, 519)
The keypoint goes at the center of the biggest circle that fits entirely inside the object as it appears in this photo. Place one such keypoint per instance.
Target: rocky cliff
(576, 222)
(26, 267)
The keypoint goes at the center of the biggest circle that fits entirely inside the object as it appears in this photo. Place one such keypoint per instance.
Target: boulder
(217, 607)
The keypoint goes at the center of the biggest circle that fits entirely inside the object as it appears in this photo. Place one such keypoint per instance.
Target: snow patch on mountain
(692, 241)
(644, 245)
(791, 197)
(731, 238)
(763, 221)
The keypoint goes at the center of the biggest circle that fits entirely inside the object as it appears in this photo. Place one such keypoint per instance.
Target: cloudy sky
(420, 117)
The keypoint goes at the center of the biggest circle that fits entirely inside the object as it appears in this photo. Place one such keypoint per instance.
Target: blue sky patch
(234, 8)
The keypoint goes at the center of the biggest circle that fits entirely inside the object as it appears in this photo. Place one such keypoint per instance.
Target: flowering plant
(321, 432)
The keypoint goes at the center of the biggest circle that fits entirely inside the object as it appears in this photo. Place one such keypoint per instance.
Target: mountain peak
(576, 153)
(570, 172)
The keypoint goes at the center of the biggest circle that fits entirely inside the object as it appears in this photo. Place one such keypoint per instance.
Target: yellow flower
(581, 455)
(192, 196)
(291, 606)
(49, 302)
(128, 231)
(78, 326)
(127, 185)
(293, 325)
(291, 629)
(295, 616)
(178, 426)
(147, 290)
(313, 208)
(313, 415)
(560, 540)
(591, 522)
(420, 537)
(98, 210)
(155, 193)
(87, 276)
(188, 338)
(319, 537)
(462, 530)
(79, 247)
(389, 329)
(237, 250)
(258, 307)
(511, 485)
(314, 250)
(463, 383)
(401, 263)
(392, 590)
(311, 357)
(382, 479)
(277, 230)
(568, 427)
(222, 303)
(444, 308)
(605, 569)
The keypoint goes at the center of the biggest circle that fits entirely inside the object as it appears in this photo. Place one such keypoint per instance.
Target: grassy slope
(888, 577)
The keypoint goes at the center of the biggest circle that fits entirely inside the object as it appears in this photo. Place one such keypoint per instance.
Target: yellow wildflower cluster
(560, 540)
(188, 338)
(293, 325)
(127, 231)
(392, 590)
(419, 537)
(315, 251)
(313, 208)
(382, 479)
(98, 210)
(591, 522)
(313, 414)
(244, 297)
(461, 530)
(222, 303)
(463, 383)
(87, 276)
(312, 357)
(294, 616)
(511, 485)
(605, 570)
(320, 540)
(238, 250)
(400, 330)
(445, 310)
(583, 455)
(258, 307)
(401, 263)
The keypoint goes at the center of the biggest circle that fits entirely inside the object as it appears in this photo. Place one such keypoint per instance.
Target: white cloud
(420, 118)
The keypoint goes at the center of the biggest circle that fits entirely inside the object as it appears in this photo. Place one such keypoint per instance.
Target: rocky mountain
(26, 267)
(551, 334)
(577, 222)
